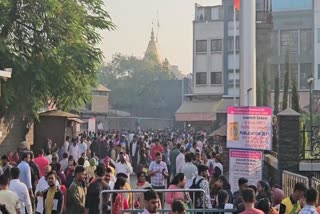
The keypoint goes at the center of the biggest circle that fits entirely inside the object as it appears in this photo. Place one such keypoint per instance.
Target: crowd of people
(168, 166)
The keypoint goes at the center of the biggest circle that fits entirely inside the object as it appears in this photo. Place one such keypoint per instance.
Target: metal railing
(290, 179)
(315, 183)
(203, 210)
(192, 211)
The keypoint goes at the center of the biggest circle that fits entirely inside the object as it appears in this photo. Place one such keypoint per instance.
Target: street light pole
(310, 81)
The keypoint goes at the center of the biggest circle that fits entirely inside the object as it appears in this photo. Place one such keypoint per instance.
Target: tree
(276, 94)
(133, 82)
(286, 84)
(295, 96)
(265, 95)
(51, 46)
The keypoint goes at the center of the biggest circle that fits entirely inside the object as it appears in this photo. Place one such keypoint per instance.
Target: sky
(133, 19)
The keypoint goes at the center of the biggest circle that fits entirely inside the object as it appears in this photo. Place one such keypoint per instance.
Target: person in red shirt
(249, 199)
(41, 161)
(156, 148)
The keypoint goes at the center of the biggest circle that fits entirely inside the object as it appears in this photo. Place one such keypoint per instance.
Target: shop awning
(202, 110)
(222, 131)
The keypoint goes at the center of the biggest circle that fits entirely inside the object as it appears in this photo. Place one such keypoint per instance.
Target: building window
(201, 78)
(306, 41)
(230, 43)
(201, 46)
(305, 71)
(231, 84)
(215, 13)
(207, 13)
(289, 42)
(216, 45)
(216, 78)
(275, 43)
(318, 71)
(318, 35)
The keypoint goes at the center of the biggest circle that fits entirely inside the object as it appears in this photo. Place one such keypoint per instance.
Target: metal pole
(234, 55)
(310, 107)
(248, 52)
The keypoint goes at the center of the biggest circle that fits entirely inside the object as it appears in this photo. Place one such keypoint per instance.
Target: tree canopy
(133, 80)
(51, 47)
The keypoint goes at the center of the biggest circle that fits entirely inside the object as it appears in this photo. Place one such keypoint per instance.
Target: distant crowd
(69, 178)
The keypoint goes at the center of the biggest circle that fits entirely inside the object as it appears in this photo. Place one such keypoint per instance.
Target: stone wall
(131, 123)
(13, 130)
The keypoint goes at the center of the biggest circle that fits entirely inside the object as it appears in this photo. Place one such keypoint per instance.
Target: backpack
(196, 197)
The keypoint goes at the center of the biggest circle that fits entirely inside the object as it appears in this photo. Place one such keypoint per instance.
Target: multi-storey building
(214, 62)
(293, 43)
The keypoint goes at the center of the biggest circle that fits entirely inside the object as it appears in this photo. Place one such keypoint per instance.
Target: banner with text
(249, 128)
(247, 164)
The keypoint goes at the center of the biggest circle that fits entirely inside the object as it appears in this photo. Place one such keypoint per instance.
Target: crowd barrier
(290, 179)
(132, 210)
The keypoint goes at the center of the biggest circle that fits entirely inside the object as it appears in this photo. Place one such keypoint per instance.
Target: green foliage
(276, 95)
(51, 46)
(295, 97)
(265, 95)
(132, 82)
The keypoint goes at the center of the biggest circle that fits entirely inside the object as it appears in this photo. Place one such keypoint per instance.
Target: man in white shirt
(22, 191)
(74, 150)
(65, 146)
(82, 147)
(199, 143)
(8, 199)
(64, 162)
(180, 161)
(25, 173)
(41, 187)
(189, 170)
(122, 166)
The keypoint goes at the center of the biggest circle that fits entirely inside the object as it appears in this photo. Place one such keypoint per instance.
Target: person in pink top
(249, 199)
(156, 148)
(178, 182)
(41, 161)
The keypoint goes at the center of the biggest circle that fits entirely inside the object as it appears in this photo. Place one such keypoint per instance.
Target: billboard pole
(248, 53)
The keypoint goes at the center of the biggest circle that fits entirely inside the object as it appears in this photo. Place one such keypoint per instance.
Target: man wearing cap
(122, 166)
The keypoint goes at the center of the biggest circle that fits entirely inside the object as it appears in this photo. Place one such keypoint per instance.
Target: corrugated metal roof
(222, 131)
(101, 88)
(58, 113)
(77, 120)
(216, 106)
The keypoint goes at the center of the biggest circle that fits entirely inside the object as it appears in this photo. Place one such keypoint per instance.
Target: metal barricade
(315, 183)
(290, 179)
(203, 210)
(213, 210)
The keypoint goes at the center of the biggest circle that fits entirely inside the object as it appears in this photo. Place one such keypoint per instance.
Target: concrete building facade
(208, 39)
(317, 44)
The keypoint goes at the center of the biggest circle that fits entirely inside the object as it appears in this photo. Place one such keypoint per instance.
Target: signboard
(247, 164)
(249, 128)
